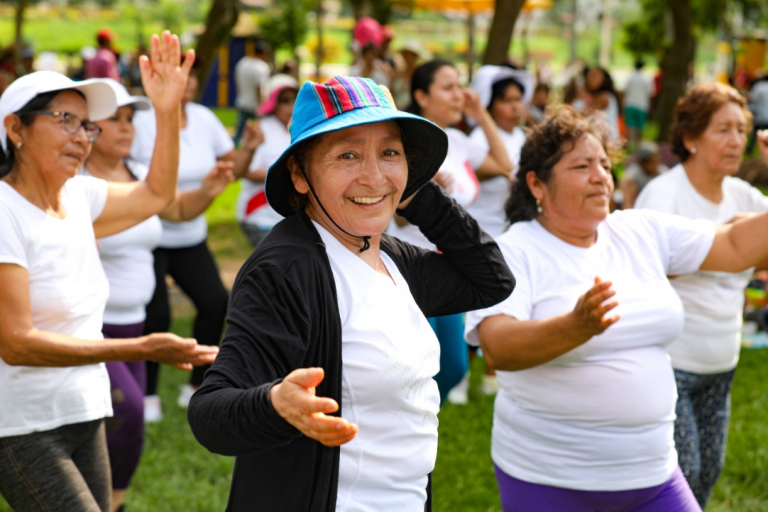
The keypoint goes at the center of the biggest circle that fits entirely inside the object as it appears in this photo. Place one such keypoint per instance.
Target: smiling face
(508, 109)
(116, 134)
(577, 197)
(721, 146)
(359, 175)
(46, 145)
(444, 103)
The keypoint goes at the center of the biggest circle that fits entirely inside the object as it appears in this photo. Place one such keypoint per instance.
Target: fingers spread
(155, 50)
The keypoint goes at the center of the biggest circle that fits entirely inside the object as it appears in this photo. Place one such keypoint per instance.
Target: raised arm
(164, 79)
(468, 273)
(740, 245)
(22, 344)
(497, 163)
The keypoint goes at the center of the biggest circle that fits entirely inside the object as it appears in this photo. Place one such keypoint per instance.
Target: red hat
(105, 35)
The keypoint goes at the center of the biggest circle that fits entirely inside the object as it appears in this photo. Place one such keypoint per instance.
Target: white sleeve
(11, 239)
(753, 200)
(519, 305)
(222, 142)
(477, 152)
(477, 137)
(684, 243)
(655, 196)
(95, 191)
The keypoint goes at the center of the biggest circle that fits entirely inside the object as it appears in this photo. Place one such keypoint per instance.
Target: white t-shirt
(389, 358)
(252, 206)
(251, 73)
(203, 142)
(129, 265)
(713, 301)
(488, 210)
(67, 293)
(464, 156)
(601, 416)
(638, 91)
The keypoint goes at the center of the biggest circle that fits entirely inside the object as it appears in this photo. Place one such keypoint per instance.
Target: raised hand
(445, 180)
(216, 181)
(167, 348)
(472, 106)
(591, 308)
(252, 136)
(163, 76)
(762, 144)
(295, 401)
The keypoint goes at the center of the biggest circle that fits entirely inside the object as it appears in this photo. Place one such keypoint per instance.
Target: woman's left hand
(163, 76)
(218, 178)
(252, 136)
(472, 106)
(762, 144)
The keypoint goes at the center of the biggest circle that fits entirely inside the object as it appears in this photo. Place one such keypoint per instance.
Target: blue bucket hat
(345, 101)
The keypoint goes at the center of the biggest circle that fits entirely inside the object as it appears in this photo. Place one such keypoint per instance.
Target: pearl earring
(538, 206)
(18, 145)
(693, 151)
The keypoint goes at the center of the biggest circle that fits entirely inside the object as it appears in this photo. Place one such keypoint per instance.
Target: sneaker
(490, 385)
(185, 396)
(153, 412)
(459, 395)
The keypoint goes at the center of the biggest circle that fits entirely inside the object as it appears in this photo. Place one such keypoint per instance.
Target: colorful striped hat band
(345, 93)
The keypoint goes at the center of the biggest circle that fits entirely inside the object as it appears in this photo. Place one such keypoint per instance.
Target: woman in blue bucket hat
(324, 387)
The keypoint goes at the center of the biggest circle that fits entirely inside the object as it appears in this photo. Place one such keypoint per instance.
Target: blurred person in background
(253, 212)
(251, 75)
(370, 66)
(537, 108)
(710, 129)
(437, 95)
(638, 174)
(128, 264)
(183, 252)
(603, 99)
(637, 102)
(411, 53)
(758, 104)
(104, 63)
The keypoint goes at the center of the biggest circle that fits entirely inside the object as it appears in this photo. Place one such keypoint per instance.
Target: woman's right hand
(167, 348)
(589, 314)
(445, 179)
(216, 181)
(295, 401)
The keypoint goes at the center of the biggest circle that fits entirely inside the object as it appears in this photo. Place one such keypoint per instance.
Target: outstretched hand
(167, 348)
(252, 136)
(216, 181)
(295, 401)
(591, 310)
(163, 76)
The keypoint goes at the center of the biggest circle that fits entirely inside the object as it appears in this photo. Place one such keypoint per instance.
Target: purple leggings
(672, 496)
(125, 430)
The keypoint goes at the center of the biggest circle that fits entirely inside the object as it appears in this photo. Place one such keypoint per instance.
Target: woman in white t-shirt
(709, 135)
(55, 391)
(183, 252)
(438, 96)
(604, 100)
(255, 215)
(128, 264)
(584, 418)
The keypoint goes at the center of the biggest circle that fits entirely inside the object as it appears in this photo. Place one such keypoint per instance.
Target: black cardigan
(284, 315)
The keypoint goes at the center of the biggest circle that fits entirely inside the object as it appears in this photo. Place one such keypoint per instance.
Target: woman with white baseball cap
(129, 266)
(55, 389)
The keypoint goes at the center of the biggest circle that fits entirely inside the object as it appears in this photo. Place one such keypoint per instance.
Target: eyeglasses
(72, 123)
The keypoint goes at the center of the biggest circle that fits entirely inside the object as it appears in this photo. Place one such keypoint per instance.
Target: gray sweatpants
(65, 469)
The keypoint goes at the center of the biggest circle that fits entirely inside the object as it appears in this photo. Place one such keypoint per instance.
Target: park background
(178, 474)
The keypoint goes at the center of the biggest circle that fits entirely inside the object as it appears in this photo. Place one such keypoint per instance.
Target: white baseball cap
(124, 98)
(99, 96)
(487, 76)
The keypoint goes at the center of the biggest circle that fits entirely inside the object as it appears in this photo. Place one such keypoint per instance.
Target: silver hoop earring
(538, 206)
(693, 151)
(18, 145)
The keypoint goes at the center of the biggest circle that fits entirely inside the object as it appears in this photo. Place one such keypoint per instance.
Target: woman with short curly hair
(709, 134)
(584, 418)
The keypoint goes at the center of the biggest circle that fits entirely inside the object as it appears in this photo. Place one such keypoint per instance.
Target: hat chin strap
(365, 239)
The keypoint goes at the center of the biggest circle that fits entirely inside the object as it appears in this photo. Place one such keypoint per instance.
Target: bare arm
(739, 246)
(510, 344)
(242, 158)
(192, 203)
(164, 80)
(497, 163)
(22, 344)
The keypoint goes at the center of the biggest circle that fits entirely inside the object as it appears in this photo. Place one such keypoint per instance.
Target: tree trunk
(675, 65)
(19, 41)
(222, 17)
(358, 8)
(500, 36)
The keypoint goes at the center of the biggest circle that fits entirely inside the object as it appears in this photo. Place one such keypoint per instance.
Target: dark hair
(694, 111)
(542, 87)
(499, 89)
(422, 79)
(639, 63)
(39, 102)
(544, 147)
(606, 86)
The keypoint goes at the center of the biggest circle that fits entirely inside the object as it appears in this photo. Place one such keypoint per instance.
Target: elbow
(11, 352)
